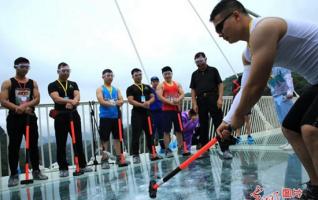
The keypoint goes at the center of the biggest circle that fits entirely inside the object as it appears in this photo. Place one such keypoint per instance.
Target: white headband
(200, 59)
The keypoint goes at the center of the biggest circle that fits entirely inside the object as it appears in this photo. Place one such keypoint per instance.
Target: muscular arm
(120, 100)
(59, 100)
(263, 43)
(159, 92)
(193, 97)
(36, 96)
(181, 93)
(220, 99)
(221, 90)
(77, 98)
(4, 97)
(134, 102)
(152, 99)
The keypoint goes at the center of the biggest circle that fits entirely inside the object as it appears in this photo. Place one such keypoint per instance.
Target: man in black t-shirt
(66, 97)
(140, 96)
(207, 99)
(20, 94)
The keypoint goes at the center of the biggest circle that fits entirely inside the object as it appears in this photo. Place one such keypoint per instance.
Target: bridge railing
(263, 117)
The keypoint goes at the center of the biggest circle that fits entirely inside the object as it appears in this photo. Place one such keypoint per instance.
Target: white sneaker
(288, 147)
(227, 155)
(283, 146)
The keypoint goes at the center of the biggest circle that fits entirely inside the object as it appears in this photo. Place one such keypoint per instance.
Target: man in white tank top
(276, 42)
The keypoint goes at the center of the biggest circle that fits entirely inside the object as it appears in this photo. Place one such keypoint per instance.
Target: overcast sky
(90, 36)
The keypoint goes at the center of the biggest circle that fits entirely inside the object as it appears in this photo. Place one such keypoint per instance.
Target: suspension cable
(132, 40)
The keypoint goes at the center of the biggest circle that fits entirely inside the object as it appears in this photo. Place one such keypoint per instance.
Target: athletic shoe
(86, 169)
(282, 146)
(173, 144)
(157, 157)
(105, 164)
(250, 139)
(238, 140)
(136, 159)
(64, 173)
(13, 180)
(168, 153)
(180, 151)
(161, 151)
(310, 193)
(288, 147)
(37, 175)
(227, 155)
(119, 162)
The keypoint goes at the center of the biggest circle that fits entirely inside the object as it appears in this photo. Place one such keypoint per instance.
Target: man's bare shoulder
(6, 84)
(270, 24)
(268, 31)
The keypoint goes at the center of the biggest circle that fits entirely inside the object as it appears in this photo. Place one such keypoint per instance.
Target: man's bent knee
(290, 134)
(309, 131)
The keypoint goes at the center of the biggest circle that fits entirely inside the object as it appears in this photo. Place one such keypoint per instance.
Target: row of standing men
(20, 95)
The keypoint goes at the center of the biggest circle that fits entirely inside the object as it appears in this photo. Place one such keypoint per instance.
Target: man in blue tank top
(110, 100)
(272, 42)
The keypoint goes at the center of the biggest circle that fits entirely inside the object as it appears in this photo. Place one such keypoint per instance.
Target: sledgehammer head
(153, 189)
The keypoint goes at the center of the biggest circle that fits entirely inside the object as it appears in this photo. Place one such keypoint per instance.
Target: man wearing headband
(207, 98)
(273, 41)
(66, 97)
(20, 95)
(110, 100)
(171, 94)
(139, 95)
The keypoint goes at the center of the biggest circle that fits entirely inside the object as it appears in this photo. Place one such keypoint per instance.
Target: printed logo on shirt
(22, 95)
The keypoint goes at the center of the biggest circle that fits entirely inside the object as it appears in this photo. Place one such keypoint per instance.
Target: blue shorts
(169, 118)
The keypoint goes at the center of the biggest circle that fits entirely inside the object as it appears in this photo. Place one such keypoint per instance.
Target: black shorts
(107, 126)
(304, 111)
(169, 118)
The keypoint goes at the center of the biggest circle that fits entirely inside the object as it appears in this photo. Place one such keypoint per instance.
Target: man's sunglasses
(22, 66)
(108, 75)
(64, 70)
(219, 26)
(137, 74)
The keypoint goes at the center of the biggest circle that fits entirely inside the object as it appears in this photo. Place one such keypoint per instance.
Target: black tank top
(20, 93)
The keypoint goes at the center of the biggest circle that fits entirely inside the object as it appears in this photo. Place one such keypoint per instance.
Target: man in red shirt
(171, 94)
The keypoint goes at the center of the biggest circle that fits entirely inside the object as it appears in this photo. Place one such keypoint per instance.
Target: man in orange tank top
(171, 94)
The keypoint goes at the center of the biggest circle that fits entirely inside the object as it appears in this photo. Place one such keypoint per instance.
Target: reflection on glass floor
(206, 178)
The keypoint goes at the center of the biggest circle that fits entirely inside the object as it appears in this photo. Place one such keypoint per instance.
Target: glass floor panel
(207, 178)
